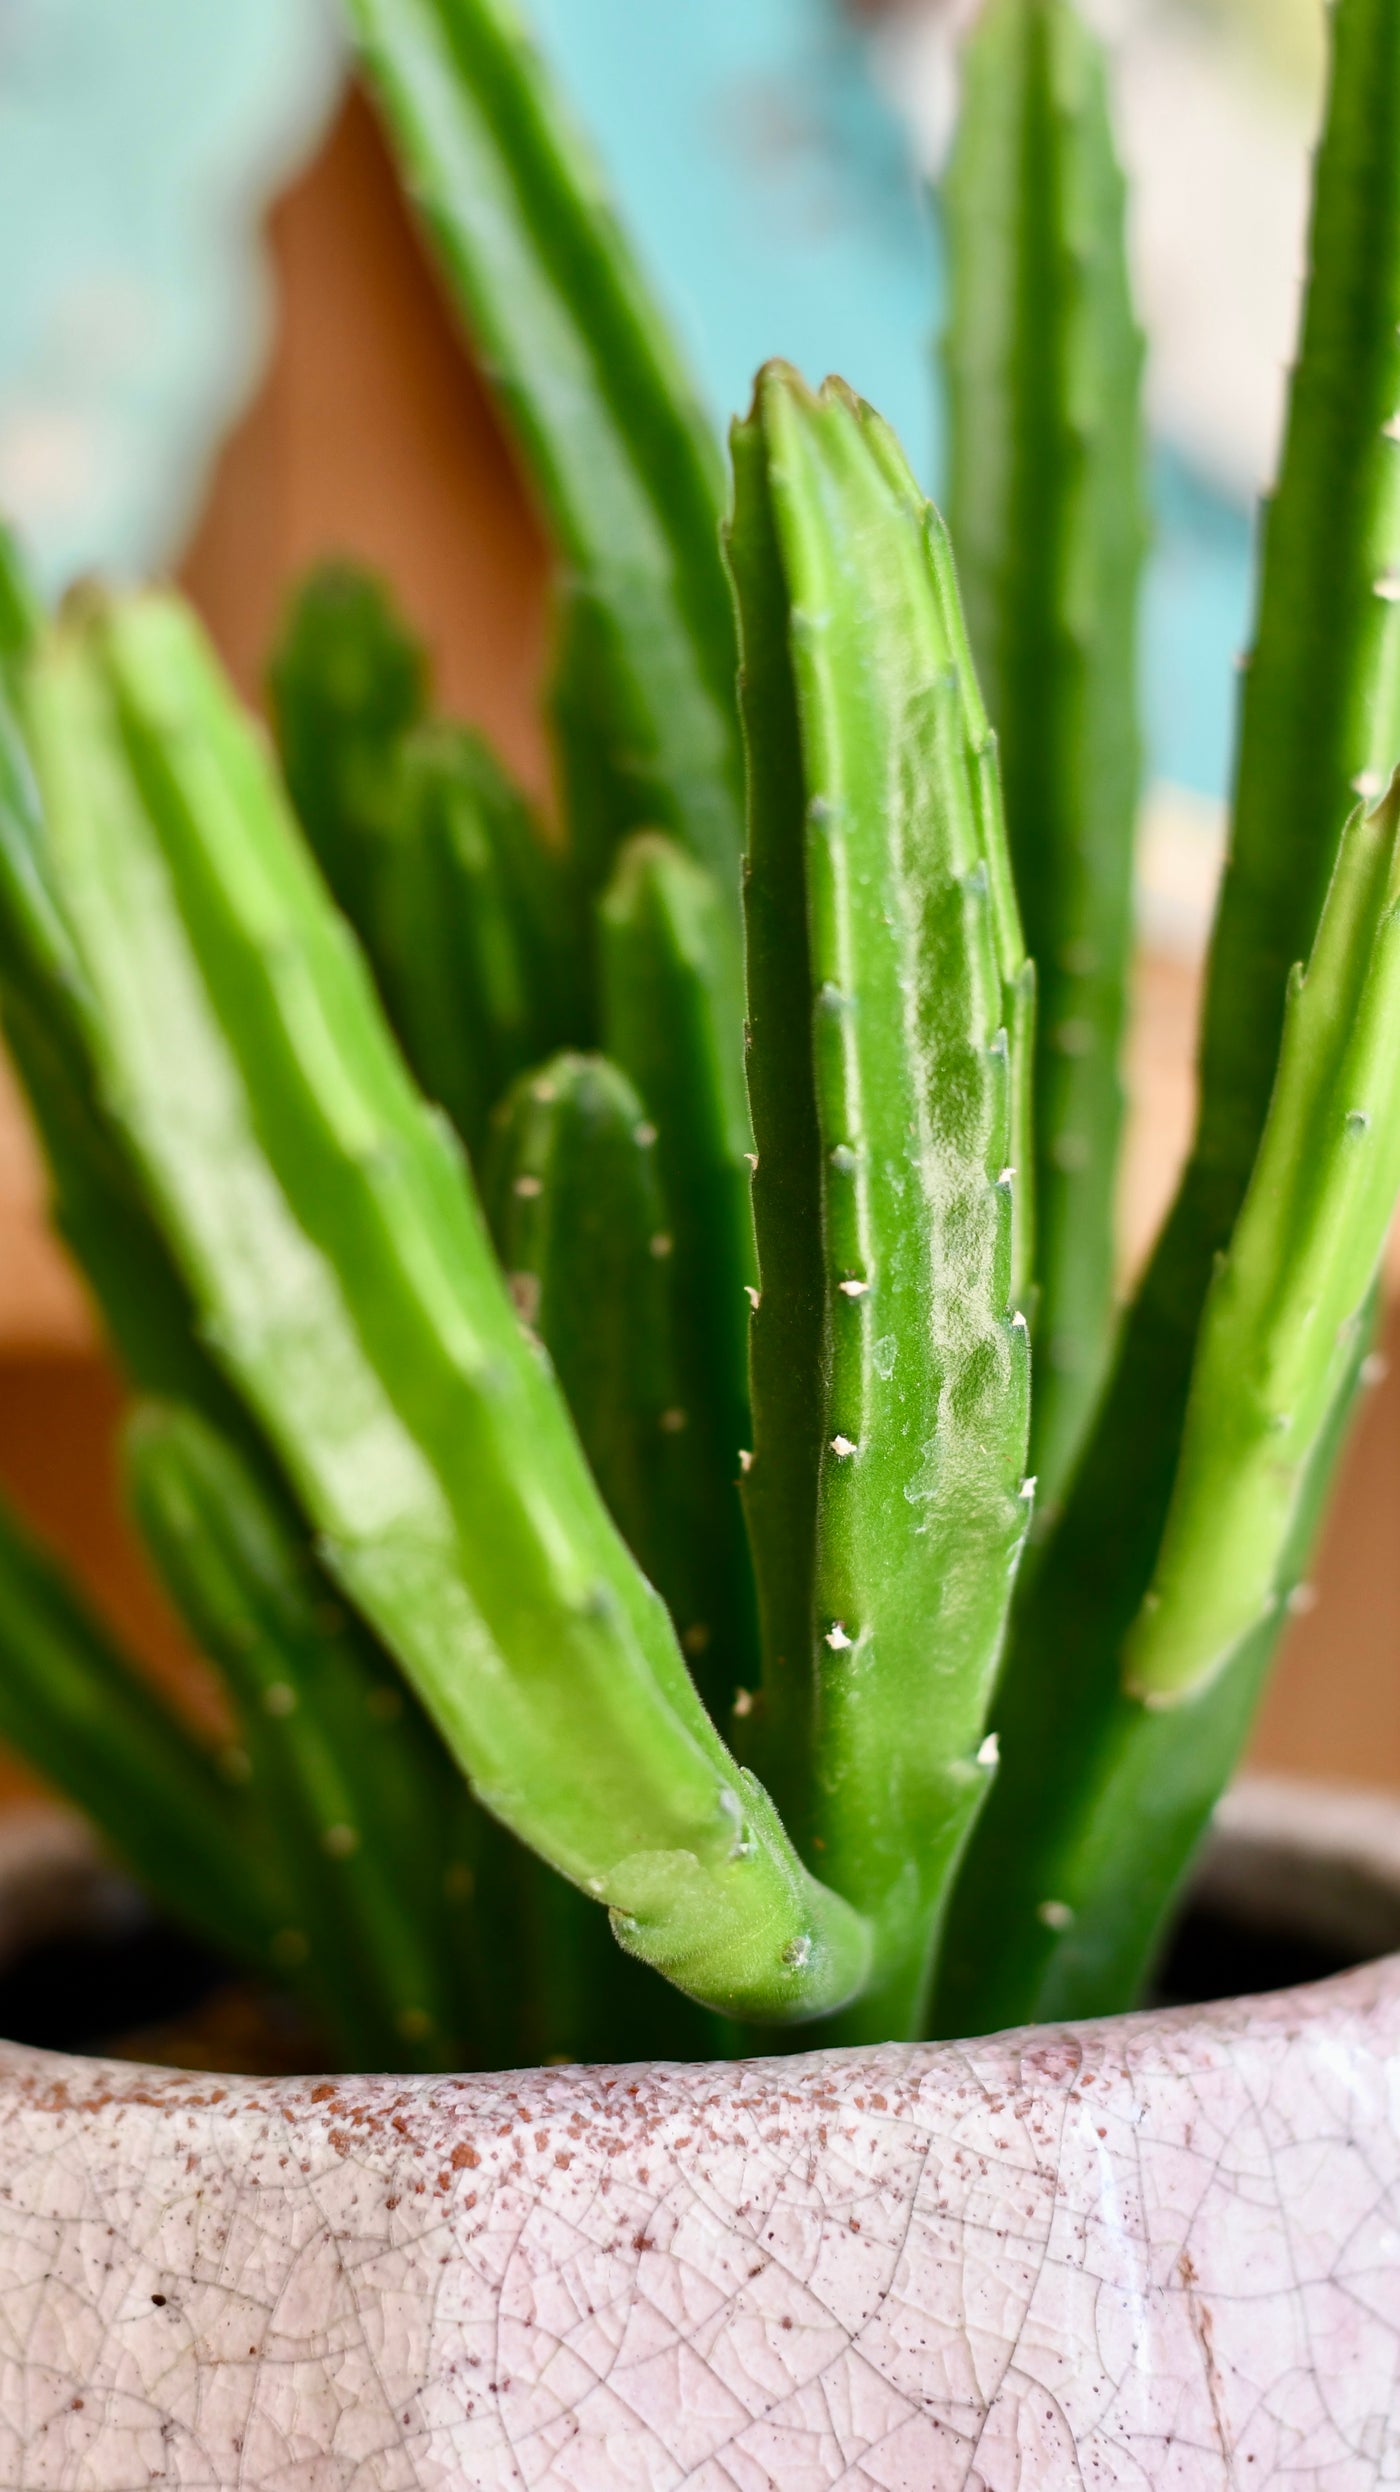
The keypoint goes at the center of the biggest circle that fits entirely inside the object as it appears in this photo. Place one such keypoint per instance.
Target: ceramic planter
(1162, 2251)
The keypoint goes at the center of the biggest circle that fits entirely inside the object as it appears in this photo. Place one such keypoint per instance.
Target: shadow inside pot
(1298, 1881)
(1216, 1954)
(151, 1993)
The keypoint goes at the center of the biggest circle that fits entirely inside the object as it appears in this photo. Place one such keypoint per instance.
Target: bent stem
(323, 1222)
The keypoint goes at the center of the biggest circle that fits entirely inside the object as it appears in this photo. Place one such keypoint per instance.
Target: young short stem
(583, 1231)
(672, 995)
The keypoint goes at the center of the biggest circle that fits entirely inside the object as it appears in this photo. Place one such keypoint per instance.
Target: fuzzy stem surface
(887, 1494)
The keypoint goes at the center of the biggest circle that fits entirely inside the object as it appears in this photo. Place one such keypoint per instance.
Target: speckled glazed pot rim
(1161, 2250)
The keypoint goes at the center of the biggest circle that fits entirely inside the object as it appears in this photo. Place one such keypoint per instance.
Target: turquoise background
(139, 140)
(777, 197)
(772, 187)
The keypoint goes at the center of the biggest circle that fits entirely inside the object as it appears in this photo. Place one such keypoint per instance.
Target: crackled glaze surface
(1160, 2252)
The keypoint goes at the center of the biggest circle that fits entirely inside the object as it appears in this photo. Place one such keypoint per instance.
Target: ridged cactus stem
(476, 939)
(583, 1230)
(347, 682)
(1321, 715)
(469, 919)
(615, 446)
(1287, 1323)
(891, 1368)
(672, 995)
(20, 612)
(325, 1226)
(1046, 511)
(94, 1200)
(82, 1715)
(1289, 1297)
(1069, 1922)
(325, 1734)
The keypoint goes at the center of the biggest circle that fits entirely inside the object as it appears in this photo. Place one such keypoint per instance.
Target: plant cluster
(628, 1390)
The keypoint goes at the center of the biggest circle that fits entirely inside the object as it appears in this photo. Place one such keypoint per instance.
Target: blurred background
(222, 354)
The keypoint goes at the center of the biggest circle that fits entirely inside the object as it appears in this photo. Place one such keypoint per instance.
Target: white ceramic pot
(1161, 2251)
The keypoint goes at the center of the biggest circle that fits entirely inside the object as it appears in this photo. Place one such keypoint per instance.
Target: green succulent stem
(347, 682)
(1289, 1297)
(579, 1216)
(1072, 1921)
(1321, 713)
(886, 1494)
(21, 615)
(324, 1224)
(620, 457)
(83, 1716)
(468, 917)
(583, 1232)
(94, 1197)
(1046, 509)
(672, 996)
(347, 1778)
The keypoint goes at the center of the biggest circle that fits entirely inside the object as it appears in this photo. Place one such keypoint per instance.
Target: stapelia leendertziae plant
(628, 1394)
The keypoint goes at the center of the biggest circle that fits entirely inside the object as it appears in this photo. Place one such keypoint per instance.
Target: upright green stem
(1288, 1299)
(1321, 716)
(582, 1228)
(347, 1777)
(1069, 1923)
(468, 918)
(84, 1718)
(1046, 509)
(672, 1002)
(619, 455)
(347, 681)
(20, 611)
(95, 1202)
(891, 1366)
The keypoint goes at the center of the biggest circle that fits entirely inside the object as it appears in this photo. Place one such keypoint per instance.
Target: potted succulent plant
(629, 1400)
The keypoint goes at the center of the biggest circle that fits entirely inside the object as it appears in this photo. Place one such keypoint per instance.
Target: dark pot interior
(1298, 1882)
